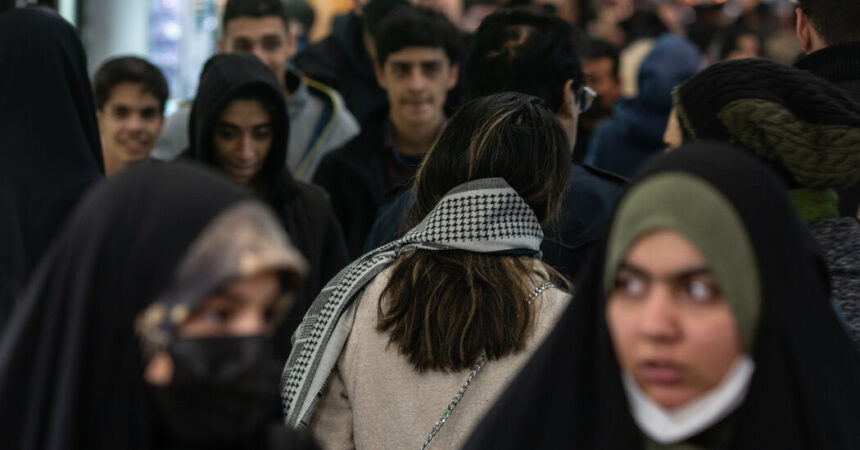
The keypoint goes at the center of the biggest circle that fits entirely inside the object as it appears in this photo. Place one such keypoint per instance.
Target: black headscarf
(223, 77)
(50, 150)
(804, 393)
(71, 365)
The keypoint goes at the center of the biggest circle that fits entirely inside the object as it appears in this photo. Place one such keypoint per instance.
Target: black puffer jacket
(303, 208)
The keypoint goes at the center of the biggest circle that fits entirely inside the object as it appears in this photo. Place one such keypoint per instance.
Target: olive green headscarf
(688, 205)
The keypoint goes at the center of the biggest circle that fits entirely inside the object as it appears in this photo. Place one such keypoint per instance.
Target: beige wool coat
(375, 399)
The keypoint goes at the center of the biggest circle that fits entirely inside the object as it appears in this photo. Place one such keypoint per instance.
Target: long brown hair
(443, 309)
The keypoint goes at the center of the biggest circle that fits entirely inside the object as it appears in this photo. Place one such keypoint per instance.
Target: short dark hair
(598, 48)
(256, 9)
(834, 20)
(523, 51)
(415, 26)
(129, 69)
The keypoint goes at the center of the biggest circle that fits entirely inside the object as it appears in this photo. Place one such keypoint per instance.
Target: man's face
(129, 122)
(417, 80)
(265, 37)
(242, 138)
(600, 76)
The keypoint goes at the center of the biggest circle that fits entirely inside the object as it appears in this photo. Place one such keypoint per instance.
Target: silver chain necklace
(478, 366)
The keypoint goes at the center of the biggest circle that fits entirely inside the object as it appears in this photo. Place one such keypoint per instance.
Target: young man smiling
(417, 53)
(130, 94)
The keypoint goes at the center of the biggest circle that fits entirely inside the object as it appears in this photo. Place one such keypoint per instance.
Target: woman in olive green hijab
(704, 324)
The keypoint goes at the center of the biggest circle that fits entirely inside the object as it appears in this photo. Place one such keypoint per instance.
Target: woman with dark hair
(456, 306)
(148, 324)
(239, 126)
(704, 323)
(50, 151)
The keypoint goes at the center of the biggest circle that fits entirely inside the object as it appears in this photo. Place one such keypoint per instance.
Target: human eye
(262, 133)
(400, 70)
(215, 315)
(431, 68)
(242, 45)
(701, 289)
(272, 43)
(121, 112)
(226, 133)
(149, 113)
(630, 285)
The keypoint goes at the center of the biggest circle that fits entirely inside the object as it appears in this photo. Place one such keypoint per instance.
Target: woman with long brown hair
(452, 309)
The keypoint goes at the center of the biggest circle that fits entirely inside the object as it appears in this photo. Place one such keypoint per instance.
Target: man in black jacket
(417, 53)
(830, 37)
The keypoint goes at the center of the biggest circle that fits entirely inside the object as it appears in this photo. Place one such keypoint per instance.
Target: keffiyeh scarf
(482, 216)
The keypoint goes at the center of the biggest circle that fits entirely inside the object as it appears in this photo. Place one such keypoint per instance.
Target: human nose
(659, 320)
(249, 323)
(135, 122)
(246, 147)
(417, 81)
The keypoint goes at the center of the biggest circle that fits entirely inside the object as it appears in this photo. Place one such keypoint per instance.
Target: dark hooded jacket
(840, 65)
(71, 365)
(303, 208)
(635, 129)
(804, 392)
(50, 151)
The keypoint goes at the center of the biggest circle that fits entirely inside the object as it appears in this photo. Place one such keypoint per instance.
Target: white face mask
(672, 426)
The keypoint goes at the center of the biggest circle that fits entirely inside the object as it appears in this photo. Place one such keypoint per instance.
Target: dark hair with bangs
(256, 9)
(129, 69)
(414, 26)
(446, 308)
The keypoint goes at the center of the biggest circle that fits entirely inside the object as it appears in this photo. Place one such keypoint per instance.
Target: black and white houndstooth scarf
(484, 216)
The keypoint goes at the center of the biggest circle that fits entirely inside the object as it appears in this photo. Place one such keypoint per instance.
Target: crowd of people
(607, 224)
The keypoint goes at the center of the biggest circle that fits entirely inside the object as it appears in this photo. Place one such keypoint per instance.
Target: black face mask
(224, 390)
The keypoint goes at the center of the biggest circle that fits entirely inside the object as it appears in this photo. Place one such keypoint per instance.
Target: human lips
(661, 371)
(417, 102)
(136, 146)
(242, 170)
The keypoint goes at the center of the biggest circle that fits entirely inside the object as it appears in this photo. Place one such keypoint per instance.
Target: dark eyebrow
(226, 125)
(262, 125)
(683, 274)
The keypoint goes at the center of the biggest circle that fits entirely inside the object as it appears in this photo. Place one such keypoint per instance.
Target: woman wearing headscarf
(411, 343)
(806, 129)
(49, 140)
(147, 325)
(721, 337)
(239, 126)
